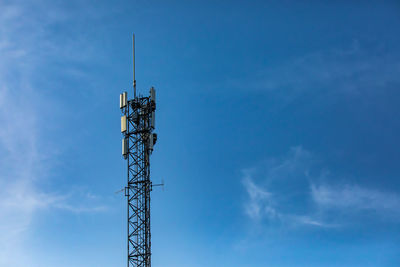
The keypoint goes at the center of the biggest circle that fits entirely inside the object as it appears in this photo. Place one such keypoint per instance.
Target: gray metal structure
(137, 126)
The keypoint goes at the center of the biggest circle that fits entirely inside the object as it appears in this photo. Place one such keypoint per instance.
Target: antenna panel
(124, 147)
(153, 94)
(123, 124)
(153, 120)
(122, 100)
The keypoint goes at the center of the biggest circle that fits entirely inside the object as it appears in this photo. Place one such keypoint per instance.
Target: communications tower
(137, 126)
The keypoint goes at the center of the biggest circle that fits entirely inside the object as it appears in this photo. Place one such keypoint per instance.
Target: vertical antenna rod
(133, 54)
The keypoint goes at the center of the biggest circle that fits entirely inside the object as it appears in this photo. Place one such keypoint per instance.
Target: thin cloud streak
(355, 198)
(258, 204)
(312, 201)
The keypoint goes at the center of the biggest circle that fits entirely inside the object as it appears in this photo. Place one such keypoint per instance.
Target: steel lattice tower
(137, 125)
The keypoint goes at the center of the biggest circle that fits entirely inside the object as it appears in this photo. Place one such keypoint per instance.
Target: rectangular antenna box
(123, 99)
(123, 124)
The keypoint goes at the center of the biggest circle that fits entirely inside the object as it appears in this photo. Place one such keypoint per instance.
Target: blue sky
(278, 125)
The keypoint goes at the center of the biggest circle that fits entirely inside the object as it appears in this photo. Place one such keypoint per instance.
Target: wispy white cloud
(26, 155)
(356, 198)
(259, 200)
(25, 161)
(270, 197)
(263, 205)
(294, 191)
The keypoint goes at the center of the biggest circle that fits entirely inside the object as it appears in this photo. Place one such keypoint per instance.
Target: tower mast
(137, 126)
